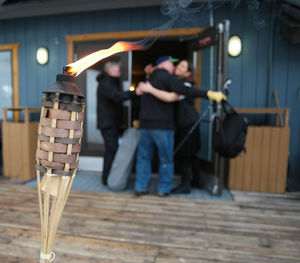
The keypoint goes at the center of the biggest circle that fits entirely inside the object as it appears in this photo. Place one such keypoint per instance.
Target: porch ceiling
(20, 8)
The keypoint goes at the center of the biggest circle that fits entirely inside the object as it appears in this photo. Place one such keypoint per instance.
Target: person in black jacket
(157, 127)
(185, 117)
(109, 111)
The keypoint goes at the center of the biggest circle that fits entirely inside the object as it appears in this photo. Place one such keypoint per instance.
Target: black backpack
(230, 140)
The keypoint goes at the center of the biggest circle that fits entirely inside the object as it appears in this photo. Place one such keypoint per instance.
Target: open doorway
(83, 44)
(170, 46)
(132, 67)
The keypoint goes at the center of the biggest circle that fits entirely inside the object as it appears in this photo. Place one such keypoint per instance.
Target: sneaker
(104, 180)
(182, 189)
(140, 193)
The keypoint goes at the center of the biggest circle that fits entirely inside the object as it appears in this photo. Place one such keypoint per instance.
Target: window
(9, 77)
(6, 83)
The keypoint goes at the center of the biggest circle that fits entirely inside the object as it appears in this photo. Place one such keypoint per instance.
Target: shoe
(104, 180)
(182, 189)
(140, 193)
(163, 194)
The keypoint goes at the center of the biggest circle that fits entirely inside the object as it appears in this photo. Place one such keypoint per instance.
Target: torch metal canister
(58, 148)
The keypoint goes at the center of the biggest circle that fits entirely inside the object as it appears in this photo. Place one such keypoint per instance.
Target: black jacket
(185, 113)
(156, 114)
(109, 101)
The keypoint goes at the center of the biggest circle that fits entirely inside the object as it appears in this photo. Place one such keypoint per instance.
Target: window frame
(14, 48)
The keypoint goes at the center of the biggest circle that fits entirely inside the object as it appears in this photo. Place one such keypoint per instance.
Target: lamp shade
(234, 46)
(42, 55)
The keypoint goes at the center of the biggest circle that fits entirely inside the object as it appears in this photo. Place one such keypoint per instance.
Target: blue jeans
(149, 141)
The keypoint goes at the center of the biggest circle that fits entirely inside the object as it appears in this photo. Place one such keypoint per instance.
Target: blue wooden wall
(249, 71)
(251, 85)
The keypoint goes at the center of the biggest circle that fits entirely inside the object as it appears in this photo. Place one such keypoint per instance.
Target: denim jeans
(149, 141)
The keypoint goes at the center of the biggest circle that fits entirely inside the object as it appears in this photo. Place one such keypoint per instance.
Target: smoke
(185, 11)
(181, 10)
(258, 10)
(175, 10)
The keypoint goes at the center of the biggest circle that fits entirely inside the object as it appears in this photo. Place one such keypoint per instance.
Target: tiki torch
(59, 143)
(58, 147)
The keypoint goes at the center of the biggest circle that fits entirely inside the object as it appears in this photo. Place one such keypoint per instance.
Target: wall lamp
(234, 46)
(42, 55)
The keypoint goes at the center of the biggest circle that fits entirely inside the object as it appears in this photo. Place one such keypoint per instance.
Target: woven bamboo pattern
(58, 148)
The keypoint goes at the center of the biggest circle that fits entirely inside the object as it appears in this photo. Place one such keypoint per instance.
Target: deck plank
(111, 228)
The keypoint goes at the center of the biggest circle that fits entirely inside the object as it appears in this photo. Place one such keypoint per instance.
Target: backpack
(230, 140)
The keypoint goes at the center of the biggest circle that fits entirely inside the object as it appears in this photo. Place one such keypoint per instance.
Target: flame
(80, 65)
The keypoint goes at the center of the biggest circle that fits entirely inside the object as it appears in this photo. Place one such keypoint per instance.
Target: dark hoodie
(109, 101)
(157, 114)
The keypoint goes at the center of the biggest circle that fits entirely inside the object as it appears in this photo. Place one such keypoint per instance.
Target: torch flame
(80, 65)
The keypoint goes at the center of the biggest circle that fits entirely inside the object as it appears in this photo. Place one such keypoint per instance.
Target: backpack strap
(226, 103)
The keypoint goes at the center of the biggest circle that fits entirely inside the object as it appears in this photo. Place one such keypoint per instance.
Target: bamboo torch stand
(58, 148)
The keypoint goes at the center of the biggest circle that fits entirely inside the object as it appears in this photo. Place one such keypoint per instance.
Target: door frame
(72, 39)
(15, 69)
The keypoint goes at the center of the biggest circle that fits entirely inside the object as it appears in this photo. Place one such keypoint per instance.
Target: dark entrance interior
(166, 46)
(132, 64)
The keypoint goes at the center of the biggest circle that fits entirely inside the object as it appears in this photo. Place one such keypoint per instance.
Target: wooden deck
(118, 228)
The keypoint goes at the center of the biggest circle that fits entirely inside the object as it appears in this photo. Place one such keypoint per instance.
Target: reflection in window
(6, 89)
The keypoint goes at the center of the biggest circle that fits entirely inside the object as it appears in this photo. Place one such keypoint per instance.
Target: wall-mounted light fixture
(234, 46)
(42, 55)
